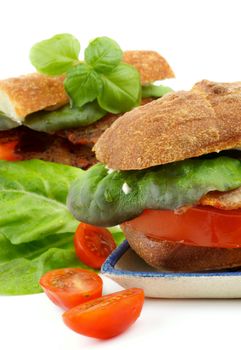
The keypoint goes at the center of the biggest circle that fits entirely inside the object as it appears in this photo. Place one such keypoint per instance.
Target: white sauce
(126, 188)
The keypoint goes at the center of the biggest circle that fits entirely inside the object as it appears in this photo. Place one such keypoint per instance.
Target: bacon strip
(223, 200)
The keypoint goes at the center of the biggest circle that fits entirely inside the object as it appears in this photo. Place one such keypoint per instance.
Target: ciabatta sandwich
(36, 121)
(170, 175)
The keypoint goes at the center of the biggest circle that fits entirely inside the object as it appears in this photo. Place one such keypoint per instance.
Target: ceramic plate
(126, 268)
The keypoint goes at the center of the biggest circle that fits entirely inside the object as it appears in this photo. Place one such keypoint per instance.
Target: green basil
(103, 54)
(65, 118)
(121, 89)
(102, 76)
(33, 199)
(56, 55)
(6, 123)
(82, 84)
(98, 197)
(155, 90)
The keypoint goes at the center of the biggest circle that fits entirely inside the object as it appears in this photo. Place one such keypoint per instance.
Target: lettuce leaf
(22, 265)
(33, 199)
(33, 223)
(152, 90)
(65, 118)
(21, 275)
(98, 197)
(7, 123)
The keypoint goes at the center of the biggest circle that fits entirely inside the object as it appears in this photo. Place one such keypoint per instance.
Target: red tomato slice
(93, 244)
(71, 286)
(7, 151)
(108, 316)
(199, 226)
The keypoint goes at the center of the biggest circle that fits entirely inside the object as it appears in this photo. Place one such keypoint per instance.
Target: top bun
(150, 64)
(180, 125)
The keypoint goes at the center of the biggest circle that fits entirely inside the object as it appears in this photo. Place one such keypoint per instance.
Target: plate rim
(109, 268)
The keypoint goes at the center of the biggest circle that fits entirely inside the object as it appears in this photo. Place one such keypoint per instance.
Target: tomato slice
(93, 244)
(107, 316)
(199, 226)
(7, 151)
(71, 286)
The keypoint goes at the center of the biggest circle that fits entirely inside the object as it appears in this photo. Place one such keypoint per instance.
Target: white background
(200, 39)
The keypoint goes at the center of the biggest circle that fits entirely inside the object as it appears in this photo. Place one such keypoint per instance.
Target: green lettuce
(6, 123)
(99, 197)
(33, 223)
(22, 265)
(33, 199)
(65, 118)
(152, 90)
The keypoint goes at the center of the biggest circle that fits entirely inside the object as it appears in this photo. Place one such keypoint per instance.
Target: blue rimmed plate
(125, 267)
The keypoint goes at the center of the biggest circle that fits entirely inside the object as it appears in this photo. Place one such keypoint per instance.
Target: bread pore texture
(180, 125)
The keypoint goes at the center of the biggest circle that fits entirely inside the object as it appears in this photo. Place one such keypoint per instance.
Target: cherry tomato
(71, 286)
(7, 151)
(93, 244)
(199, 226)
(107, 316)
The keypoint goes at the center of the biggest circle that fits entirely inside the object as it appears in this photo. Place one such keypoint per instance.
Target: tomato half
(7, 151)
(108, 316)
(93, 244)
(199, 226)
(71, 286)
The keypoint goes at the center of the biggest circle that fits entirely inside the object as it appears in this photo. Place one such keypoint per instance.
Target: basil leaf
(121, 89)
(98, 198)
(155, 90)
(21, 275)
(82, 84)
(103, 54)
(6, 123)
(33, 199)
(65, 118)
(56, 55)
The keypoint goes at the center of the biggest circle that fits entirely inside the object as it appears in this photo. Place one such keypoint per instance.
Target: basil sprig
(56, 55)
(102, 76)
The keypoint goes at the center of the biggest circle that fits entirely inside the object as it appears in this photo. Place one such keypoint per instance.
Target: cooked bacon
(35, 145)
(223, 200)
(88, 135)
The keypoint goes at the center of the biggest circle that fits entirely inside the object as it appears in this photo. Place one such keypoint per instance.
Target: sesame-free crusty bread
(150, 64)
(174, 256)
(180, 125)
(30, 93)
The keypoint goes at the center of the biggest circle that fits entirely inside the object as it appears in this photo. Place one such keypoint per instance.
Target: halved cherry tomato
(71, 286)
(93, 244)
(107, 316)
(7, 151)
(199, 226)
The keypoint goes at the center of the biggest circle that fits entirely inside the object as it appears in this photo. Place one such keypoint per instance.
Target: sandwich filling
(195, 201)
(98, 197)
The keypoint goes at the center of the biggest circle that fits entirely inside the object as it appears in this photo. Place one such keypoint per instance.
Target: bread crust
(173, 256)
(150, 64)
(30, 93)
(180, 125)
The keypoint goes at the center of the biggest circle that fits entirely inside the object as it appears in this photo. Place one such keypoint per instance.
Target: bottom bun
(173, 256)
